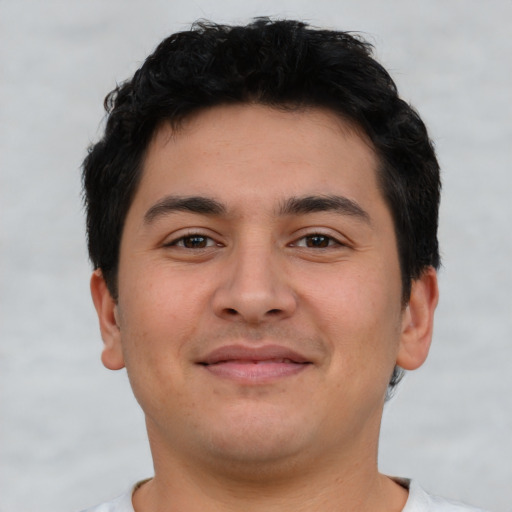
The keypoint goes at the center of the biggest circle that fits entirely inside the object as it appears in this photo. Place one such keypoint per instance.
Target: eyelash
(331, 241)
(210, 242)
(181, 241)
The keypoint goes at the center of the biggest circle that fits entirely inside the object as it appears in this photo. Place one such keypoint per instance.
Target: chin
(257, 441)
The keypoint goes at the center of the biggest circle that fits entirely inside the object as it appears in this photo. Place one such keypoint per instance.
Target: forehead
(254, 148)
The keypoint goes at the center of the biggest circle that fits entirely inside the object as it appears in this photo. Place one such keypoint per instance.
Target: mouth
(254, 365)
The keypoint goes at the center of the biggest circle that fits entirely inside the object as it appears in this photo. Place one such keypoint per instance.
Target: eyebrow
(313, 204)
(291, 206)
(193, 204)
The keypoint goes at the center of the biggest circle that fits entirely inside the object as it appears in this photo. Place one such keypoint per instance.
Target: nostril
(273, 312)
(231, 311)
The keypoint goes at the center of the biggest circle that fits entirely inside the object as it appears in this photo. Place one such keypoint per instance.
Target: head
(280, 64)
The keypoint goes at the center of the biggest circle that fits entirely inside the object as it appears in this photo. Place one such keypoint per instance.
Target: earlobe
(418, 321)
(106, 309)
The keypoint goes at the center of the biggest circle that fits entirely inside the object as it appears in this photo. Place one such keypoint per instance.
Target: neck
(348, 482)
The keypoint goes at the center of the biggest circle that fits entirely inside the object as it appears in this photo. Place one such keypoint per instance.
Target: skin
(325, 284)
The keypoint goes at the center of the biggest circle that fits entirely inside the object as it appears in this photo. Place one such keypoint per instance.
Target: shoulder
(420, 501)
(122, 503)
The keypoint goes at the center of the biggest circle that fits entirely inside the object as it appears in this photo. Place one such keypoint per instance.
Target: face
(259, 313)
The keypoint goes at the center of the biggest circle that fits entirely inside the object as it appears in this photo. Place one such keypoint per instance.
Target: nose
(253, 288)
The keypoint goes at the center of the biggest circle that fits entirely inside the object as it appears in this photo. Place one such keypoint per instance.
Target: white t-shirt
(418, 501)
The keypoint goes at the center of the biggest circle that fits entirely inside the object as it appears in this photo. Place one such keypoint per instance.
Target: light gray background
(71, 433)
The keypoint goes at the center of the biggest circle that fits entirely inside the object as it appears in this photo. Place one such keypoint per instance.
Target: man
(262, 217)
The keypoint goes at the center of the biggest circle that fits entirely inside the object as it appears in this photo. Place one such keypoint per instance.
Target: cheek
(159, 297)
(351, 296)
(359, 314)
(153, 335)
(154, 323)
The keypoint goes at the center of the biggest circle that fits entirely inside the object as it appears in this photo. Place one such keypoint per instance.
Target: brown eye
(317, 241)
(194, 242)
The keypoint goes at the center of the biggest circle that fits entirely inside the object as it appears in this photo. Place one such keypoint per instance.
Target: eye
(193, 241)
(316, 241)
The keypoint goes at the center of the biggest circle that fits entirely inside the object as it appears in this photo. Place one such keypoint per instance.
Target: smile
(254, 365)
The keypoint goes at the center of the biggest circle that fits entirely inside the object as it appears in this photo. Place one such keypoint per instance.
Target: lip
(254, 364)
(252, 354)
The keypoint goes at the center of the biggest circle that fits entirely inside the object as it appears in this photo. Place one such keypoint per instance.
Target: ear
(106, 308)
(418, 321)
